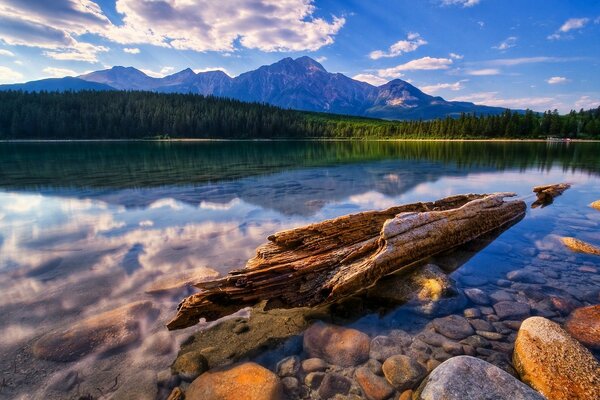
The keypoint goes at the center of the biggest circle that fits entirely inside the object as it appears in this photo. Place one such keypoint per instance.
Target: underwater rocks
(584, 325)
(580, 246)
(103, 332)
(337, 345)
(453, 327)
(189, 366)
(249, 381)
(512, 310)
(403, 372)
(554, 363)
(467, 377)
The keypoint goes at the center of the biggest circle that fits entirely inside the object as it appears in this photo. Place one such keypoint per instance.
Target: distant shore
(299, 140)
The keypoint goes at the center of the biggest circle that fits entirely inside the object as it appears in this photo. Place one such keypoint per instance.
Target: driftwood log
(326, 261)
(546, 194)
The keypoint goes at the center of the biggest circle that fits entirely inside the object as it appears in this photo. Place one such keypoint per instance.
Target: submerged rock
(580, 246)
(584, 325)
(403, 372)
(477, 296)
(374, 387)
(465, 377)
(453, 327)
(103, 332)
(189, 366)
(333, 384)
(337, 345)
(554, 363)
(512, 310)
(249, 381)
(525, 276)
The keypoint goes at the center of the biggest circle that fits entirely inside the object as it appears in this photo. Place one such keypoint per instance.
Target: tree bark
(323, 262)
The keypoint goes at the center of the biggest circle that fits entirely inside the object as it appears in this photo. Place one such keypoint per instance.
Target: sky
(537, 54)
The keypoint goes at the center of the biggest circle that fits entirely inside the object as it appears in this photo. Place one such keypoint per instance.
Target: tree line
(147, 115)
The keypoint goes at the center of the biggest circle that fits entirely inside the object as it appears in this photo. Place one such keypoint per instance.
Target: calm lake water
(88, 227)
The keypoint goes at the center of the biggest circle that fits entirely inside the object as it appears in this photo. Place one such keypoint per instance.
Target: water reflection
(85, 228)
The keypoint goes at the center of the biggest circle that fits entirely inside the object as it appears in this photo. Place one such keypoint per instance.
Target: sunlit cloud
(421, 64)
(464, 3)
(8, 75)
(557, 80)
(413, 42)
(483, 72)
(569, 25)
(455, 86)
(131, 50)
(371, 79)
(58, 72)
(507, 43)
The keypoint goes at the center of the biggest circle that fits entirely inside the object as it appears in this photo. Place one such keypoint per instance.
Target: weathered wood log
(546, 194)
(326, 261)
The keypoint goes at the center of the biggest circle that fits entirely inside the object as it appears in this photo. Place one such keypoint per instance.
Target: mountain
(57, 85)
(301, 84)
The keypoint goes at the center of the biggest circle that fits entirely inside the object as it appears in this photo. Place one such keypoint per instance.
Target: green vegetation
(146, 115)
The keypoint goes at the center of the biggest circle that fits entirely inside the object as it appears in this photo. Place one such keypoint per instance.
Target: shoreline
(191, 140)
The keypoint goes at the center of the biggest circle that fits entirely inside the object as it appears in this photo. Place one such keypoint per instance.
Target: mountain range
(301, 84)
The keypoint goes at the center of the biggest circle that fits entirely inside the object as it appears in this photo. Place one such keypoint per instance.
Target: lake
(89, 227)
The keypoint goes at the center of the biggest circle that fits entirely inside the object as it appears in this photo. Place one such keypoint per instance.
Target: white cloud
(569, 25)
(586, 102)
(6, 53)
(78, 52)
(556, 80)
(444, 86)
(131, 50)
(18, 62)
(370, 78)
(574, 23)
(164, 71)
(425, 63)
(59, 72)
(7, 75)
(484, 72)
(321, 59)
(413, 41)
(207, 25)
(200, 25)
(507, 43)
(456, 56)
(464, 3)
(492, 99)
(509, 62)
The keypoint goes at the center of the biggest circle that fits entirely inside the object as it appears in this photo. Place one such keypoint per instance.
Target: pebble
(481, 325)
(374, 387)
(188, 366)
(524, 276)
(584, 325)
(337, 345)
(289, 366)
(453, 327)
(490, 335)
(254, 381)
(472, 313)
(473, 280)
(501, 295)
(314, 365)
(477, 296)
(383, 347)
(512, 310)
(334, 383)
(551, 361)
(313, 379)
(403, 372)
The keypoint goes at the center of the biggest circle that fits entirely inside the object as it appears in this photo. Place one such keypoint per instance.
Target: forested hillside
(144, 115)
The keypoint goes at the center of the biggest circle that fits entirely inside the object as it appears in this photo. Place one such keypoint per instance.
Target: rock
(167, 379)
(481, 325)
(429, 288)
(337, 345)
(503, 283)
(564, 305)
(334, 383)
(453, 327)
(375, 367)
(486, 310)
(580, 246)
(477, 296)
(289, 366)
(290, 384)
(466, 377)
(100, 333)
(501, 295)
(554, 363)
(313, 365)
(254, 381)
(188, 366)
(476, 341)
(584, 325)
(313, 379)
(587, 268)
(403, 372)
(596, 205)
(383, 347)
(241, 327)
(514, 325)
(406, 395)
(472, 313)
(524, 276)
(512, 310)
(490, 335)
(374, 387)
(473, 280)
(140, 386)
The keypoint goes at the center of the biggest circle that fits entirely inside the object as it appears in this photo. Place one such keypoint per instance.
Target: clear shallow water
(87, 227)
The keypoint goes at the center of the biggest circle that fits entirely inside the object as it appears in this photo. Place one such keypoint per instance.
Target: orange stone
(584, 325)
(247, 381)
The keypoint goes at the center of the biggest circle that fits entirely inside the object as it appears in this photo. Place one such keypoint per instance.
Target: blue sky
(540, 54)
